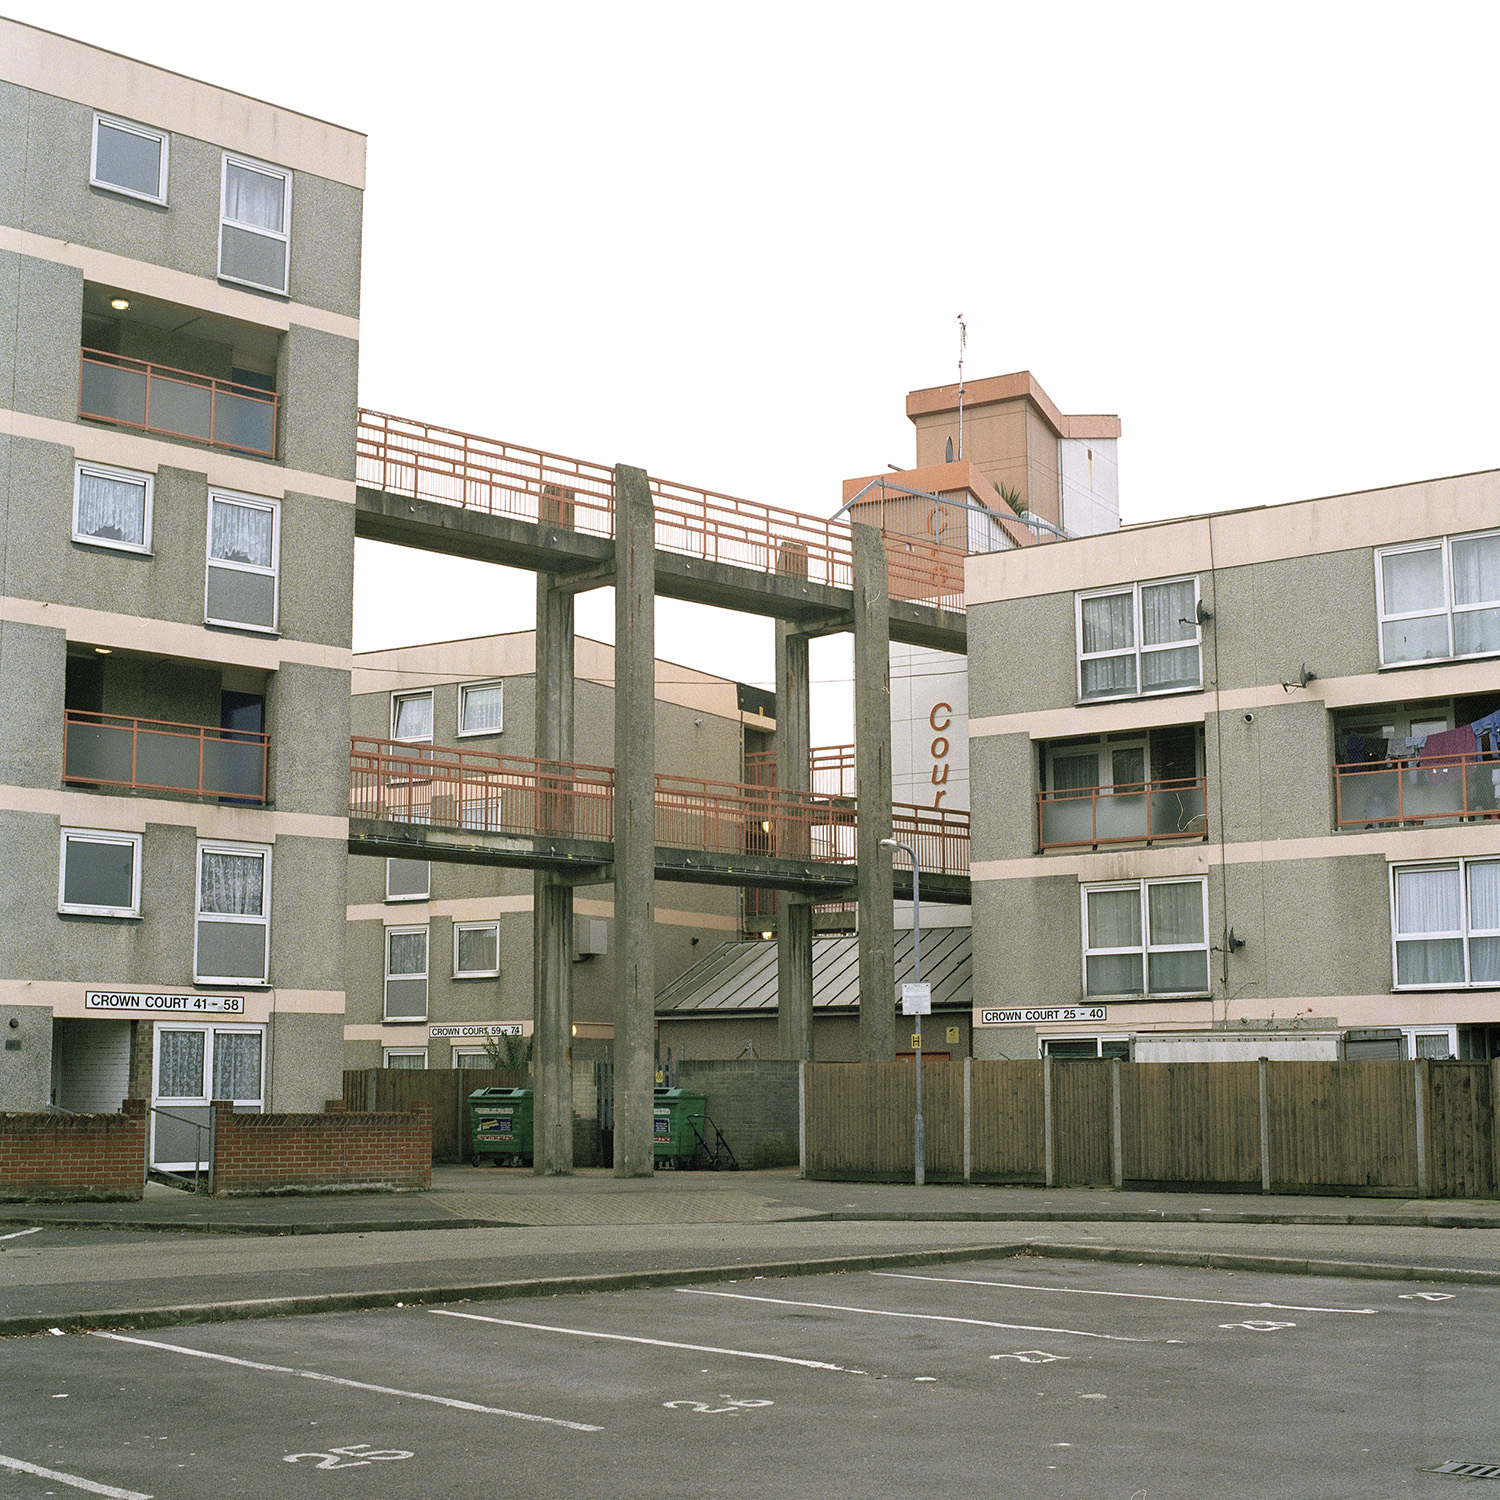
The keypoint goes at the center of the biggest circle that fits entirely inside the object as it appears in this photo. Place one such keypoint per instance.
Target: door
(194, 1065)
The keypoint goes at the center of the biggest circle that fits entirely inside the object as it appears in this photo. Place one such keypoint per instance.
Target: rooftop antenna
(963, 338)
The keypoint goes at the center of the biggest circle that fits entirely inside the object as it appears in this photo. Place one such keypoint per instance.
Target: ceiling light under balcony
(120, 304)
(103, 650)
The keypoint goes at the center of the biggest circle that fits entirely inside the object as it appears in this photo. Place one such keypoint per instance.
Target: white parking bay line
(58, 1477)
(355, 1385)
(881, 1312)
(1085, 1291)
(17, 1235)
(632, 1338)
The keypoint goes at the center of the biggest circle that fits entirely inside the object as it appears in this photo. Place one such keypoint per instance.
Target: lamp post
(919, 1128)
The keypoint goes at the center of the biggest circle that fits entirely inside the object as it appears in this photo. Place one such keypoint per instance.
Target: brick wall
(339, 1150)
(754, 1102)
(69, 1157)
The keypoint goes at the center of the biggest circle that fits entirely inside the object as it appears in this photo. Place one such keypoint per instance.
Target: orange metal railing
(406, 457)
(1417, 791)
(176, 403)
(157, 756)
(830, 768)
(1146, 812)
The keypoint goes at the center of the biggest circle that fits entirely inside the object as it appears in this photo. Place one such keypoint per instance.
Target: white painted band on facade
(1057, 1014)
(115, 1000)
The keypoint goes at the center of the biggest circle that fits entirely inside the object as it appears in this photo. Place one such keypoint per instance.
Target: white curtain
(1476, 570)
(1070, 772)
(252, 197)
(112, 509)
(483, 708)
(408, 953)
(233, 885)
(1429, 900)
(1484, 916)
(1114, 919)
(242, 534)
(1413, 580)
(1176, 912)
(237, 1066)
(414, 717)
(477, 949)
(1108, 623)
(179, 1065)
(1168, 613)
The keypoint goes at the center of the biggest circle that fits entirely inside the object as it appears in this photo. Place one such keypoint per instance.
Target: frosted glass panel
(1413, 580)
(179, 1067)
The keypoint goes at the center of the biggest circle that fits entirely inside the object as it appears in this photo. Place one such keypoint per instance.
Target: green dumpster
(677, 1126)
(501, 1122)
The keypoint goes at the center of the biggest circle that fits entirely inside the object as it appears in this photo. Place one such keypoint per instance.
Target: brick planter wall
(338, 1151)
(71, 1157)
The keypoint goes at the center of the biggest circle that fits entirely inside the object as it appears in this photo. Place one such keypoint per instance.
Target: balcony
(148, 755)
(1447, 788)
(176, 403)
(1146, 812)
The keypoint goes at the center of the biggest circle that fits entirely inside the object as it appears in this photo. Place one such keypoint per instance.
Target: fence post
(1265, 1126)
(802, 1117)
(1047, 1151)
(213, 1146)
(1495, 1120)
(1117, 1144)
(372, 1090)
(1419, 1074)
(968, 1119)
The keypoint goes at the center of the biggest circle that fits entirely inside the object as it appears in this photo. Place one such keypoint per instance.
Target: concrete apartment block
(179, 285)
(1188, 812)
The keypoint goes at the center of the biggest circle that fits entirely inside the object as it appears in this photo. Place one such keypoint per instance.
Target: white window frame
(467, 1051)
(458, 973)
(1147, 947)
(1137, 649)
(224, 846)
(253, 502)
(1411, 1035)
(1097, 1038)
(397, 698)
(131, 476)
(129, 127)
(389, 1052)
(284, 234)
(1462, 935)
(464, 688)
(425, 976)
(411, 896)
(99, 836)
(1104, 753)
(1447, 610)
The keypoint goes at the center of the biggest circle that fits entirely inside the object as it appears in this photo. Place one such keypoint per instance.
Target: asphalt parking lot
(1010, 1377)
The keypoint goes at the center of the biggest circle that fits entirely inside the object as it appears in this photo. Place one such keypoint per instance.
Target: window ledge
(103, 545)
(488, 974)
(1435, 661)
(1200, 690)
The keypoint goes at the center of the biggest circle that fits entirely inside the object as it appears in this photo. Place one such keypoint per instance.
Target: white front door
(195, 1064)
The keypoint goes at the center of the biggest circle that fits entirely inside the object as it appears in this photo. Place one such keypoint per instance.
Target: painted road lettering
(352, 1457)
(1259, 1325)
(702, 1408)
(1032, 1356)
(1426, 1296)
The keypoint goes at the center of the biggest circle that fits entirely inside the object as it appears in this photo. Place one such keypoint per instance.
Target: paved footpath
(491, 1233)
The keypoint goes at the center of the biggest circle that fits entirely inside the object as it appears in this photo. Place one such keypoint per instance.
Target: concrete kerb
(622, 1281)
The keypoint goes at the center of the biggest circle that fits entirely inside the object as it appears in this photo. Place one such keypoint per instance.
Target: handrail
(88, 758)
(1173, 809)
(216, 431)
(1416, 789)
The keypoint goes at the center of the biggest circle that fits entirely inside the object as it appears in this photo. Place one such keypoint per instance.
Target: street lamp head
(889, 844)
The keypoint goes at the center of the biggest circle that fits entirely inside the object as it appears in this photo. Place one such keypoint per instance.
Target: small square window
(407, 879)
(129, 159)
(406, 1057)
(243, 575)
(476, 950)
(411, 718)
(255, 220)
(406, 973)
(112, 507)
(99, 874)
(481, 708)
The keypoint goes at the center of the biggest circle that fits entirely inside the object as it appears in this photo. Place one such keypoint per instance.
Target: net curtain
(254, 198)
(111, 508)
(242, 534)
(233, 885)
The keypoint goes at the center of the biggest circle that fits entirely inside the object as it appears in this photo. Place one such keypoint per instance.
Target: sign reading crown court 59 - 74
(127, 1002)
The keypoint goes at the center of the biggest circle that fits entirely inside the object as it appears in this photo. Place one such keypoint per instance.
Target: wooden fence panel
(1006, 1133)
(1342, 1124)
(1083, 1122)
(943, 1117)
(859, 1120)
(447, 1090)
(1461, 1130)
(1190, 1123)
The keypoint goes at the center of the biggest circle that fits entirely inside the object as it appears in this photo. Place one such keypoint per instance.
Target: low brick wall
(754, 1102)
(338, 1151)
(73, 1157)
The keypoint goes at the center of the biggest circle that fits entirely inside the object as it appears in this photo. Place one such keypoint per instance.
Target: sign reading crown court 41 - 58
(147, 1002)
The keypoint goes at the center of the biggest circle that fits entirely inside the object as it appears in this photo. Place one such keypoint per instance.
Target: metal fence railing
(1417, 790)
(1142, 812)
(155, 755)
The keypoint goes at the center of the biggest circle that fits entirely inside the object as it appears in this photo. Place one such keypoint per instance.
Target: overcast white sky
(723, 242)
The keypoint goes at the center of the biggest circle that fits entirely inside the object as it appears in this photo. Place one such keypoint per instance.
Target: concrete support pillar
(872, 767)
(635, 821)
(794, 932)
(552, 900)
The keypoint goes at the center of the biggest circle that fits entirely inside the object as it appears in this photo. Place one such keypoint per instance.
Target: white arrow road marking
(355, 1385)
(109, 1490)
(17, 1235)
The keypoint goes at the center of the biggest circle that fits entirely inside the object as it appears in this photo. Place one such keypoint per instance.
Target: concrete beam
(794, 950)
(872, 768)
(635, 822)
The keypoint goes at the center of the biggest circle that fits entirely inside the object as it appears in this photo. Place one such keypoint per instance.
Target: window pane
(99, 874)
(1476, 569)
(1115, 974)
(241, 598)
(408, 952)
(231, 950)
(252, 197)
(1484, 960)
(478, 949)
(406, 1060)
(1433, 1046)
(1108, 623)
(1114, 919)
(128, 160)
(1128, 767)
(1168, 613)
(1475, 631)
(483, 708)
(248, 255)
(1413, 580)
(1176, 912)
(1170, 669)
(1429, 900)
(414, 717)
(1179, 973)
(111, 509)
(242, 534)
(179, 1069)
(1484, 895)
(237, 1066)
(1415, 640)
(233, 885)
(1108, 676)
(407, 877)
(1070, 772)
(1440, 962)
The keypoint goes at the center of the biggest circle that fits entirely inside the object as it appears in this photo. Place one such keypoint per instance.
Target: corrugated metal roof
(742, 976)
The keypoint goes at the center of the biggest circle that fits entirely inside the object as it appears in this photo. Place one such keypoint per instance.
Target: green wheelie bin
(501, 1122)
(677, 1126)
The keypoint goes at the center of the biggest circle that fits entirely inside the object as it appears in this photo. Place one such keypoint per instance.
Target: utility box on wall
(590, 937)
